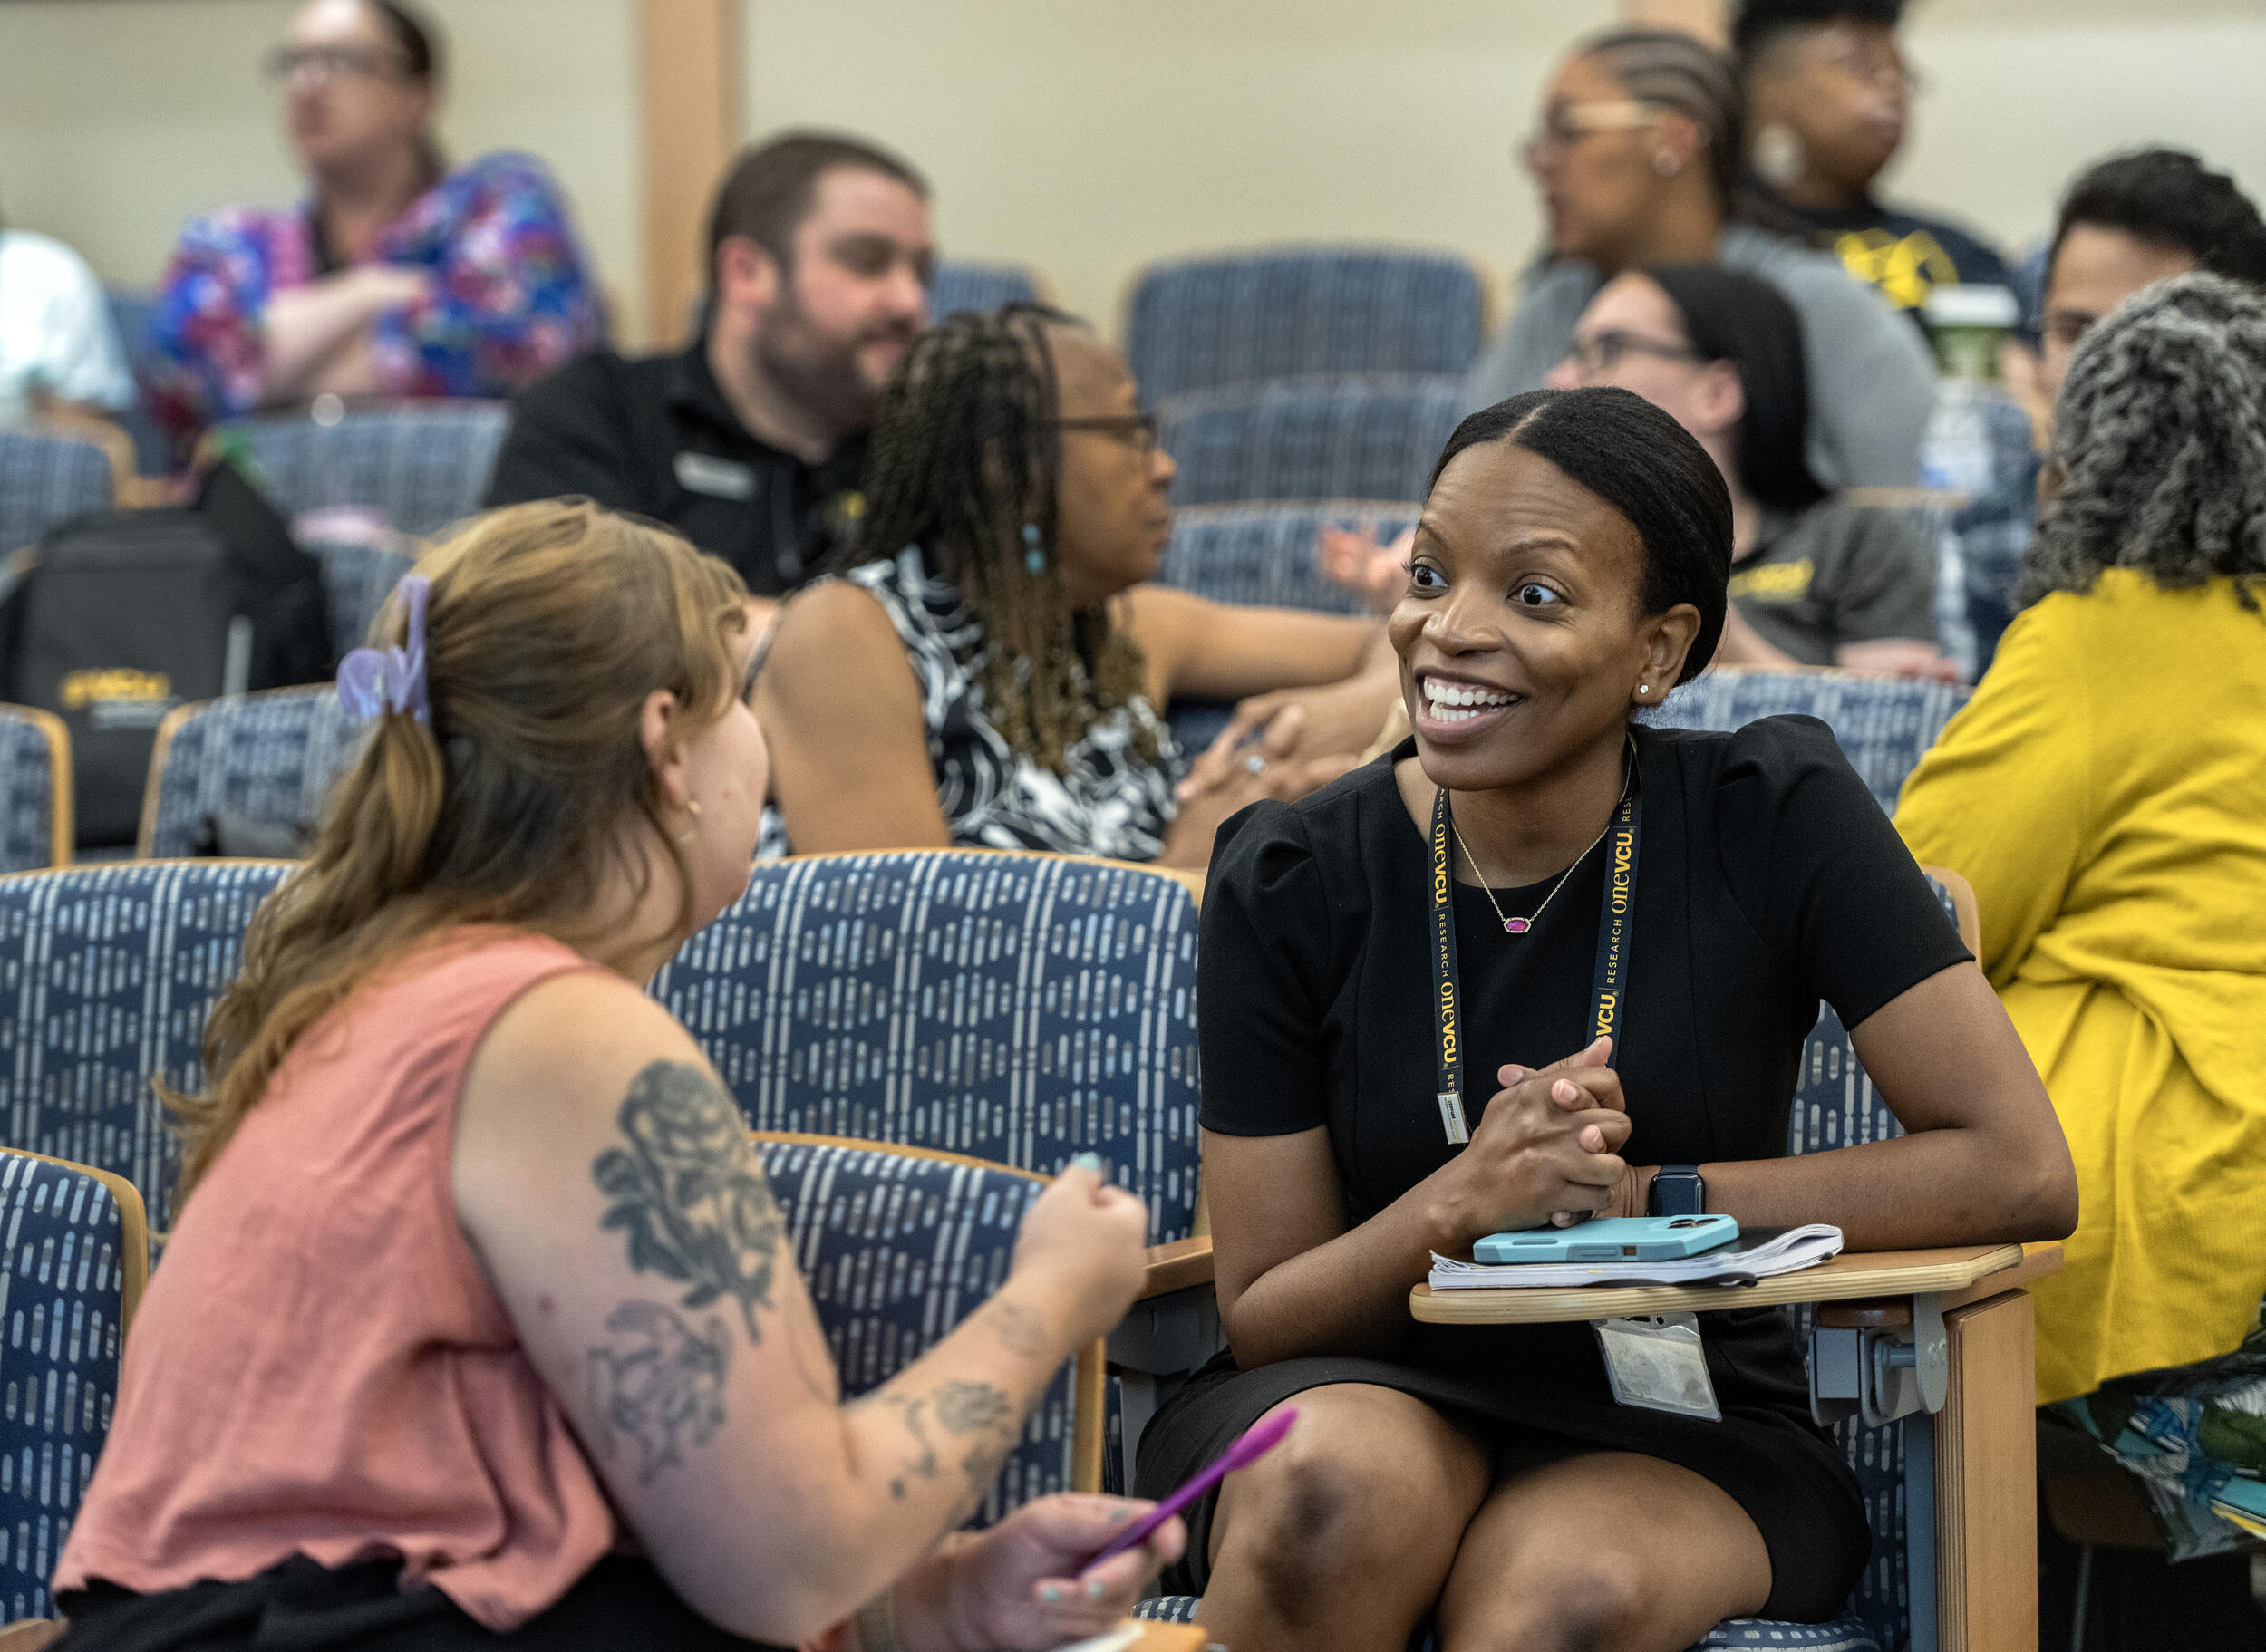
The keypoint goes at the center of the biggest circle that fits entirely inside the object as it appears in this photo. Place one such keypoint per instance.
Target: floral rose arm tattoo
(658, 1383)
(696, 1210)
(689, 1194)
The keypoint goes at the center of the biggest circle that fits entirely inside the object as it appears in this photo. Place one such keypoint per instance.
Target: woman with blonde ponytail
(478, 1320)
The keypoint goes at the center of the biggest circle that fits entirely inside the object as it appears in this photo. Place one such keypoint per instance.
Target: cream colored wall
(2023, 96)
(1085, 137)
(120, 119)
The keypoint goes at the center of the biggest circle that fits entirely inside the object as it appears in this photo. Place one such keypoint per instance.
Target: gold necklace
(1519, 926)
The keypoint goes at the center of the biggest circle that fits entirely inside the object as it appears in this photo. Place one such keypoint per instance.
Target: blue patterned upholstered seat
(1264, 554)
(107, 976)
(901, 1245)
(958, 285)
(1019, 1008)
(45, 480)
(1883, 727)
(1198, 323)
(74, 1254)
(35, 776)
(1835, 1105)
(420, 464)
(258, 764)
(357, 578)
(1370, 436)
(1261, 554)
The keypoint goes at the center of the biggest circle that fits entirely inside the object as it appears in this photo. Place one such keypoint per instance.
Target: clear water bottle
(1959, 455)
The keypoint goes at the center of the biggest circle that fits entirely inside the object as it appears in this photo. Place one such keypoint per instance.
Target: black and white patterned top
(1108, 801)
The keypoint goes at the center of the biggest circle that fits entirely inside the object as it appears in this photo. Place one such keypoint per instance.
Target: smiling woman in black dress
(1569, 568)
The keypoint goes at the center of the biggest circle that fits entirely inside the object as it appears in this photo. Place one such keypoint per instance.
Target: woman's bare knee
(1587, 1605)
(1606, 1552)
(1362, 1492)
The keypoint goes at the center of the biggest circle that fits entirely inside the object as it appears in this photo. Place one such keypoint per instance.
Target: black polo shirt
(654, 435)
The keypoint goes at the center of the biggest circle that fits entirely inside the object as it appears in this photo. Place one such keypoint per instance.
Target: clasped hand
(1547, 1149)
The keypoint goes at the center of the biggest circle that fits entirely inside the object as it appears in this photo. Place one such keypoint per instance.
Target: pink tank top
(320, 1367)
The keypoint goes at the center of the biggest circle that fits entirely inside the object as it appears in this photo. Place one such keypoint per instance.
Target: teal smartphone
(1612, 1239)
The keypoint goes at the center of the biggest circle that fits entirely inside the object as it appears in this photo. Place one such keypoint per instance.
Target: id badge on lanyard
(1616, 926)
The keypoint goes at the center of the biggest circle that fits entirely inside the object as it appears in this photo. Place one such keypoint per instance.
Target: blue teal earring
(1034, 560)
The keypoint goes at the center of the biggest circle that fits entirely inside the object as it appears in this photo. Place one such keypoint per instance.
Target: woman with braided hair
(984, 666)
(2106, 793)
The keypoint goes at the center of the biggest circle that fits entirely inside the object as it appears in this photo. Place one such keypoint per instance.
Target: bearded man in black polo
(749, 442)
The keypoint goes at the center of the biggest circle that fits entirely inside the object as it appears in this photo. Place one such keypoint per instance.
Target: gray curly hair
(2162, 426)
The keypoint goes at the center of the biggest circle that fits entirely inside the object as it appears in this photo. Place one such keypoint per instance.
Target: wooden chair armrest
(1183, 1263)
(1959, 1274)
(29, 1634)
(1883, 1313)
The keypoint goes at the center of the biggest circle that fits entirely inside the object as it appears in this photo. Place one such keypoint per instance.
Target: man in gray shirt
(1639, 157)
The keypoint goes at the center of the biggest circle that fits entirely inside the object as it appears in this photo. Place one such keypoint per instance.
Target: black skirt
(301, 1607)
(1784, 1473)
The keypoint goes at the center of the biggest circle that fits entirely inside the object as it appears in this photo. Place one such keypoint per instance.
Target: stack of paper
(1758, 1253)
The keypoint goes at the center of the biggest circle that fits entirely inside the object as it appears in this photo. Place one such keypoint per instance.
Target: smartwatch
(1678, 1189)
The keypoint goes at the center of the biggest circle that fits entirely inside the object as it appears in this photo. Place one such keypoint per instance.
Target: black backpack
(118, 616)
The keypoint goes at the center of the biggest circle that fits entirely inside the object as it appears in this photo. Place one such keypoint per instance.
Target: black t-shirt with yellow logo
(1836, 574)
(1901, 254)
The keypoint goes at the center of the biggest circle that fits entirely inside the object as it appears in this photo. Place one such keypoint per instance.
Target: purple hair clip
(372, 682)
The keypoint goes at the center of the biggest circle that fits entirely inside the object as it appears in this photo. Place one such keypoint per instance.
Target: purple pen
(1253, 1443)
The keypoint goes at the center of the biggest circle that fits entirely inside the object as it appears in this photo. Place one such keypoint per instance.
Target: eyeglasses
(1603, 353)
(1136, 430)
(334, 63)
(1567, 124)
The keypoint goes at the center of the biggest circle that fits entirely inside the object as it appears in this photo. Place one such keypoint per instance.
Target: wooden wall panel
(689, 84)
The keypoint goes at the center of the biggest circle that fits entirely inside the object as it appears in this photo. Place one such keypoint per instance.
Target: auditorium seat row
(985, 1015)
(249, 775)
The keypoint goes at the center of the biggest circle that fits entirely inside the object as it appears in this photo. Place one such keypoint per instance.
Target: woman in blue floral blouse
(395, 277)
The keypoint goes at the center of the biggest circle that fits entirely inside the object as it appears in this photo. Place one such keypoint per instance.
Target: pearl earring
(1643, 688)
(1778, 154)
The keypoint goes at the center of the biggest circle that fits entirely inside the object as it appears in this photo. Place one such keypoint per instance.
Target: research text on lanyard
(1616, 925)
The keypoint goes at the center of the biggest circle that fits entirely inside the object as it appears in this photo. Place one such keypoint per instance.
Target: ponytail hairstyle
(549, 623)
(1732, 316)
(965, 455)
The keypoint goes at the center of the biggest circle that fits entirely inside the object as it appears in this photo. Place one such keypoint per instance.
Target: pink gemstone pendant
(1517, 926)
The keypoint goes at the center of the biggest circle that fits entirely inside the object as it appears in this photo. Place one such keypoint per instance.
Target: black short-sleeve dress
(1768, 879)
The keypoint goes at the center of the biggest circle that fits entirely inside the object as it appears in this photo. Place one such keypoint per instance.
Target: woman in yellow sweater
(2106, 793)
